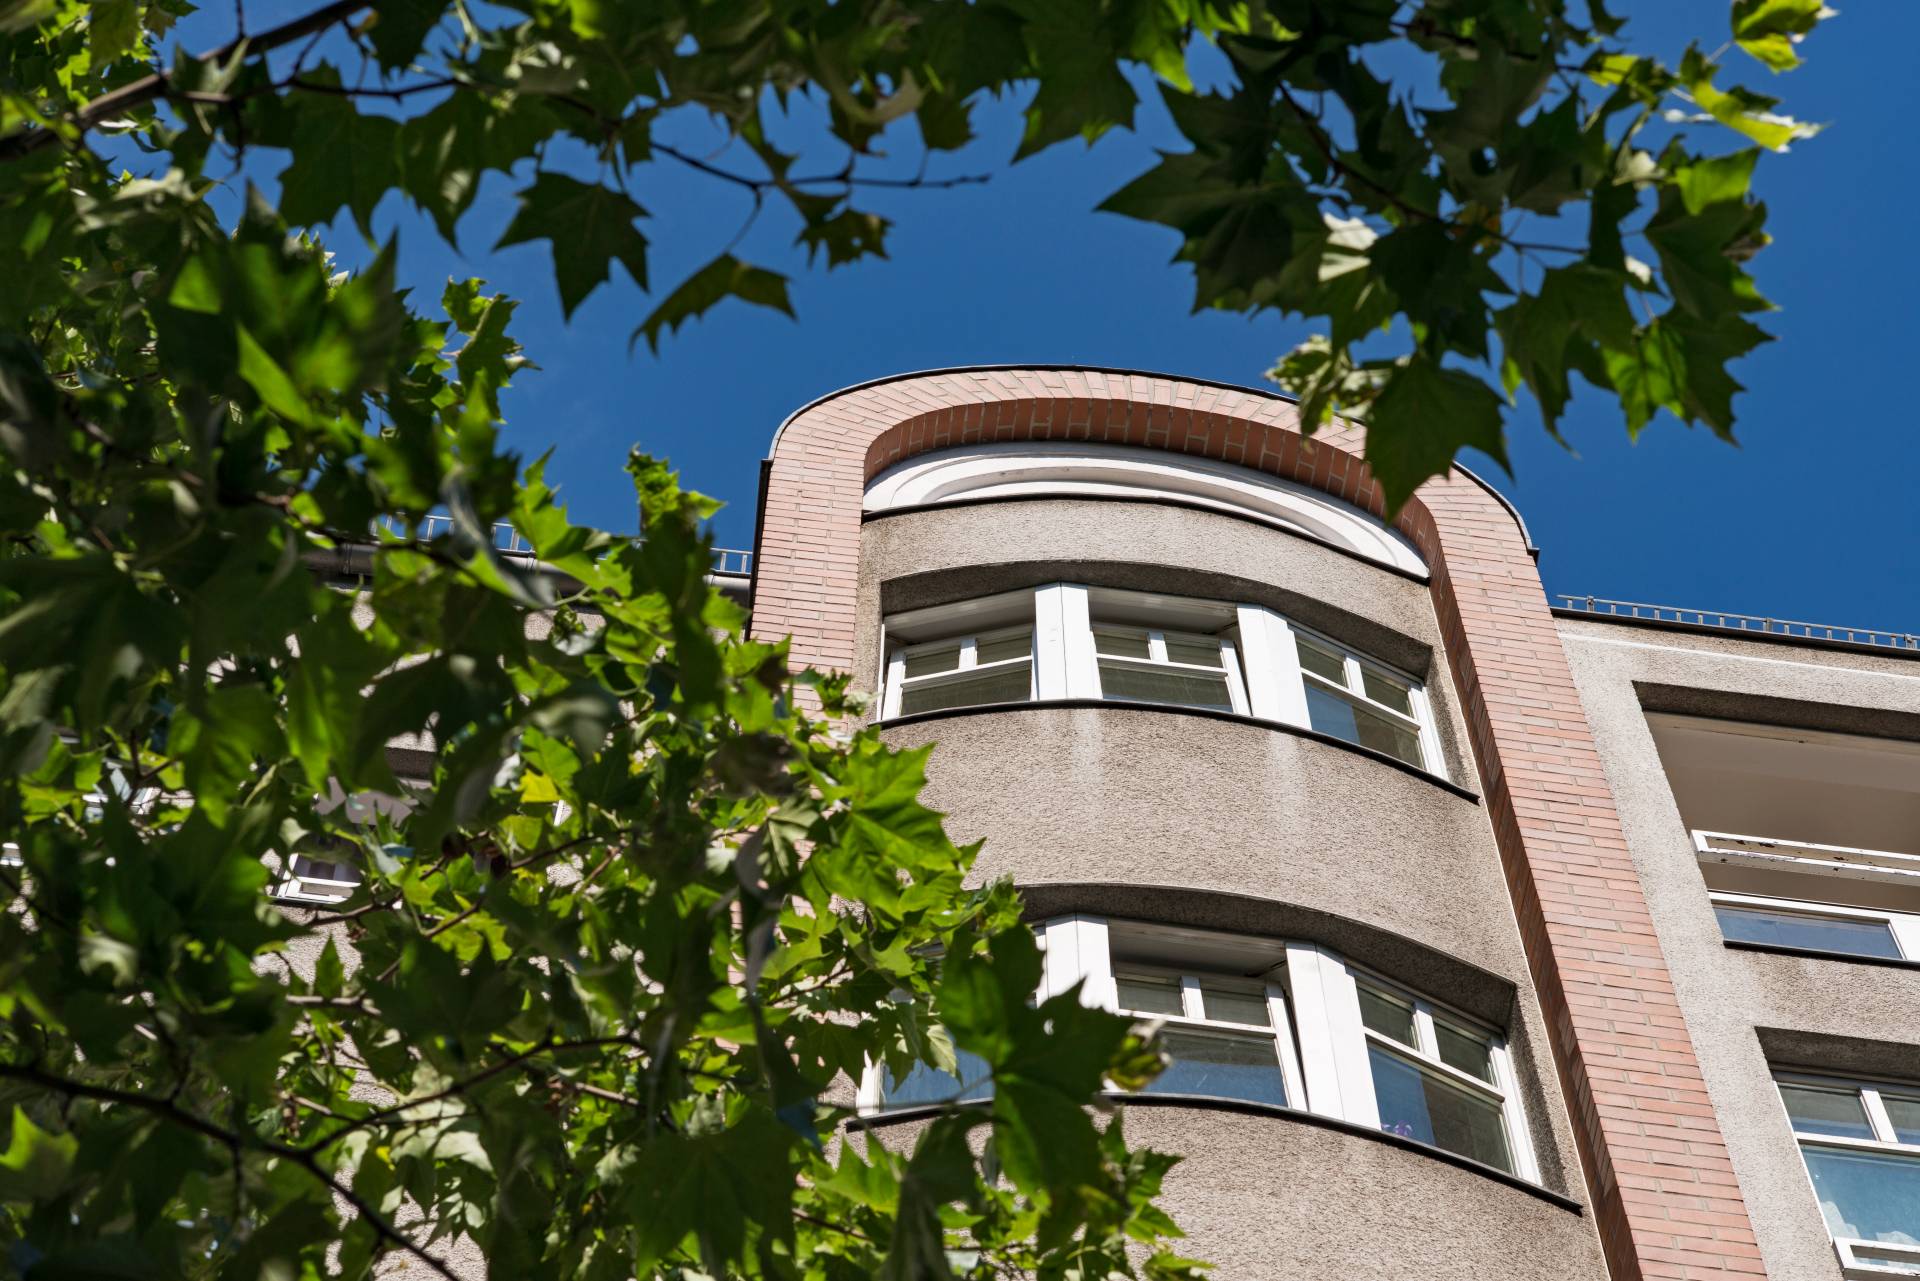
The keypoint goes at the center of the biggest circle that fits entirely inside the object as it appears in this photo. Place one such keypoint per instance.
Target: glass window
(926, 1084)
(1230, 1029)
(1105, 643)
(1410, 1050)
(996, 667)
(1144, 665)
(1209, 1048)
(1861, 1143)
(1417, 1103)
(1852, 936)
(1471, 1052)
(1815, 1110)
(1385, 1015)
(1149, 994)
(1865, 1195)
(1903, 1113)
(1222, 1066)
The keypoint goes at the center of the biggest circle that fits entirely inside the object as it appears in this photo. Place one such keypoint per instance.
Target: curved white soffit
(1059, 467)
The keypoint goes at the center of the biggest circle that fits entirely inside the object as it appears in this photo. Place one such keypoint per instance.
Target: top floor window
(1066, 640)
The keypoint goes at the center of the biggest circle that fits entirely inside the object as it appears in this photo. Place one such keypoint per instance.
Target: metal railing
(1723, 621)
(734, 562)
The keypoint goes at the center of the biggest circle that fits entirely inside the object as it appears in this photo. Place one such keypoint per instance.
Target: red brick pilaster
(1665, 1196)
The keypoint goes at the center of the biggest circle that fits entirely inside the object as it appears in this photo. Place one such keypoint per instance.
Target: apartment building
(1491, 939)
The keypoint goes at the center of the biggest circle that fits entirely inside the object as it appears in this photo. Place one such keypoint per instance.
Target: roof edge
(1526, 535)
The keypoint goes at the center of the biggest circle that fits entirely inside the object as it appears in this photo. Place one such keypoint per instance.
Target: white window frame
(1503, 1090)
(1869, 1090)
(1228, 671)
(299, 886)
(969, 661)
(1314, 1010)
(1264, 678)
(1904, 926)
(1278, 1029)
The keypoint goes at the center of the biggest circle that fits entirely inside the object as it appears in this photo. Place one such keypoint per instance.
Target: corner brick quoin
(1663, 1189)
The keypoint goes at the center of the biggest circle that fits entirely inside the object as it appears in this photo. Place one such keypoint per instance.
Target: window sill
(1819, 954)
(1301, 731)
(925, 1111)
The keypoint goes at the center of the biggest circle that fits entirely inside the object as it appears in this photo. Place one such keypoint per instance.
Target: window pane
(1797, 929)
(1201, 651)
(995, 685)
(1468, 1051)
(1870, 1196)
(1121, 642)
(1320, 660)
(1151, 685)
(997, 648)
(1384, 689)
(927, 1084)
(925, 662)
(1331, 714)
(1818, 1111)
(1904, 1112)
(1235, 1007)
(1385, 1015)
(1418, 1105)
(1149, 993)
(1230, 1067)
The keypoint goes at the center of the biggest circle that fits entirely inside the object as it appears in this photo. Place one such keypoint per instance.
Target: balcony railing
(1720, 620)
(732, 562)
(1884, 866)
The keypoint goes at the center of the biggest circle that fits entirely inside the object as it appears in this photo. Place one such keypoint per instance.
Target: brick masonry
(1664, 1193)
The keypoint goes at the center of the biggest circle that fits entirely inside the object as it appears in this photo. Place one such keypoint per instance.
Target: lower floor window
(1861, 1144)
(1278, 1023)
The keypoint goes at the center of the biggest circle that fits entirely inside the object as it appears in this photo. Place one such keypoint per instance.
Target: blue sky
(1813, 515)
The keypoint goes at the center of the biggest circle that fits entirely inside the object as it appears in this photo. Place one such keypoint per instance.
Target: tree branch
(148, 88)
(307, 1159)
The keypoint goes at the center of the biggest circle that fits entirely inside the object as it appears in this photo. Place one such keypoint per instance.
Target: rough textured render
(1663, 1189)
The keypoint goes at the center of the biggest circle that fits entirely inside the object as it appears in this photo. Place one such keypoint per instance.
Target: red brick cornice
(1665, 1196)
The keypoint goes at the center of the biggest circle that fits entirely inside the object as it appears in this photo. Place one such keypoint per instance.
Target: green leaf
(1769, 29)
(589, 227)
(113, 28)
(1423, 416)
(398, 30)
(340, 157)
(725, 277)
(36, 1162)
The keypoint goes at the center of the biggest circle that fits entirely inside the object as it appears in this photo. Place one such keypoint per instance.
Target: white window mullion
(1289, 1054)
(1191, 1002)
(1424, 1038)
(1333, 1042)
(969, 653)
(1272, 667)
(1076, 951)
(896, 678)
(1236, 686)
(1064, 665)
(1436, 760)
(1519, 1137)
(1877, 1115)
(1906, 932)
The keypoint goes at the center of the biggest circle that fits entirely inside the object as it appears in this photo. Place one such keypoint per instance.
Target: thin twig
(150, 87)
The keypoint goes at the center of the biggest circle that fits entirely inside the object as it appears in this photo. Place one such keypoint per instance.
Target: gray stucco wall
(1740, 1005)
(1271, 1198)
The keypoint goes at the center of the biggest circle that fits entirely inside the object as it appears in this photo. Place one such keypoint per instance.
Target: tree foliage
(1567, 206)
(635, 910)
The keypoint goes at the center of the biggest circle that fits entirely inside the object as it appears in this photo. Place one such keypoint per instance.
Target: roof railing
(1721, 620)
(732, 562)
